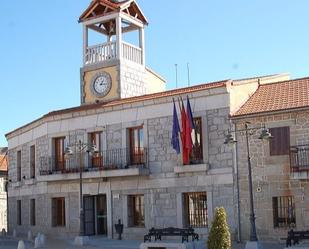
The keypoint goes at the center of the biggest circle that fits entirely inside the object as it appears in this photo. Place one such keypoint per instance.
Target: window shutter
(280, 144)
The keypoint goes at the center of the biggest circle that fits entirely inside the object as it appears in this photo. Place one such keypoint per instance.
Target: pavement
(104, 243)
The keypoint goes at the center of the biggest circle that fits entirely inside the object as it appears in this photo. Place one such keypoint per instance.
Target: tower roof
(98, 8)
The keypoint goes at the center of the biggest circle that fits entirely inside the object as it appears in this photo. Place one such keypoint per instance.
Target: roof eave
(218, 84)
(267, 113)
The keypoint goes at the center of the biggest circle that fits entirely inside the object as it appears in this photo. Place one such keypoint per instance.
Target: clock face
(101, 84)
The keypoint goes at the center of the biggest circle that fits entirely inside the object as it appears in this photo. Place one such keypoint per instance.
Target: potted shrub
(219, 236)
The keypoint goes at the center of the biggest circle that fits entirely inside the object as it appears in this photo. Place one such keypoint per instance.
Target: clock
(101, 84)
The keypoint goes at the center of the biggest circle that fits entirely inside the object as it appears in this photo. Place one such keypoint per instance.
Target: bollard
(42, 240)
(14, 233)
(21, 245)
(37, 242)
(29, 235)
(3, 232)
(119, 229)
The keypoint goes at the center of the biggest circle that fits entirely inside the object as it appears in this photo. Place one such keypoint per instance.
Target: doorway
(95, 215)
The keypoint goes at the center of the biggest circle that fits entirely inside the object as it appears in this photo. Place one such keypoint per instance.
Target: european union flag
(176, 130)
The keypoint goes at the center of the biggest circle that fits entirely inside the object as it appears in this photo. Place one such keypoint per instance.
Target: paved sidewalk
(104, 243)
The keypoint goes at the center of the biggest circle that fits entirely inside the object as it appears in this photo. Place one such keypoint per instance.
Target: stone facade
(132, 79)
(163, 185)
(272, 175)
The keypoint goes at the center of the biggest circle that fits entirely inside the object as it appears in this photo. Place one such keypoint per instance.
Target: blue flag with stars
(175, 132)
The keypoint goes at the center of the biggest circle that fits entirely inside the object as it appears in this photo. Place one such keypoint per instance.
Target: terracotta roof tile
(3, 163)
(169, 93)
(130, 100)
(278, 96)
(114, 6)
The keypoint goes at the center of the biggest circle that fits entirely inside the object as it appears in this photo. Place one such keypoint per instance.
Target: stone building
(126, 113)
(280, 168)
(3, 188)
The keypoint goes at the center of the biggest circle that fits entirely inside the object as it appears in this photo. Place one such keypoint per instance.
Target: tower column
(85, 43)
(118, 37)
(142, 43)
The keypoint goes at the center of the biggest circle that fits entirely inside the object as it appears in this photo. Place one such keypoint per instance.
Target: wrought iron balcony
(105, 160)
(299, 158)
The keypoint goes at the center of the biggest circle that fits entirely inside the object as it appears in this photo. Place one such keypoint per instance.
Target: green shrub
(219, 236)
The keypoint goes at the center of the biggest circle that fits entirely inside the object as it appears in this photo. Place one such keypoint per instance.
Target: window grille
(195, 207)
(284, 211)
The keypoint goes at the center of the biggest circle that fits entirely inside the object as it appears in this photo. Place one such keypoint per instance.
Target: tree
(219, 236)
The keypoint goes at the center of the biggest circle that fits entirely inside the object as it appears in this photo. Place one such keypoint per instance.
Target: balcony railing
(105, 160)
(299, 158)
(108, 51)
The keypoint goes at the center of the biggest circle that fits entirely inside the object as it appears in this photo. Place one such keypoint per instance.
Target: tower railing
(108, 51)
(101, 52)
(131, 53)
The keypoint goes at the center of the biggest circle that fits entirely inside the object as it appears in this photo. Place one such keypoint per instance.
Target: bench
(296, 236)
(171, 231)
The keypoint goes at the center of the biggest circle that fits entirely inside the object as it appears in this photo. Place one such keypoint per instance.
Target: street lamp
(229, 139)
(79, 148)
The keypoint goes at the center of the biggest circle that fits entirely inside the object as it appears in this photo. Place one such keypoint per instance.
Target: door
(101, 215)
(96, 159)
(59, 153)
(136, 137)
(89, 215)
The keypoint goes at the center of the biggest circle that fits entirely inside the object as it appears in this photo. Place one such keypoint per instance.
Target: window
(5, 183)
(32, 161)
(136, 137)
(284, 211)
(136, 211)
(59, 153)
(18, 212)
(195, 209)
(95, 139)
(280, 144)
(58, 212)
(32, 212)
(19, 166)
(196, 155)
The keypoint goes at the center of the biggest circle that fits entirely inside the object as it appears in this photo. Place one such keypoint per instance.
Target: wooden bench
(296, 236)
(171, 231)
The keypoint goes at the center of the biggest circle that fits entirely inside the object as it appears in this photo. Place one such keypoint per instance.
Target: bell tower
(113, 68)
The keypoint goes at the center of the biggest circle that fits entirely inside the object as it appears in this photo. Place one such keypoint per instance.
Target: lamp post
(79, 148)
(229, 139)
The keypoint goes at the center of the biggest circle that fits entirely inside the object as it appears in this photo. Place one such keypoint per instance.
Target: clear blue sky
(41, 47)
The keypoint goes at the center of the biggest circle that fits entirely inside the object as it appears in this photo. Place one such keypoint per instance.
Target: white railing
(108, 51)
(99, 53)
(131, 53)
